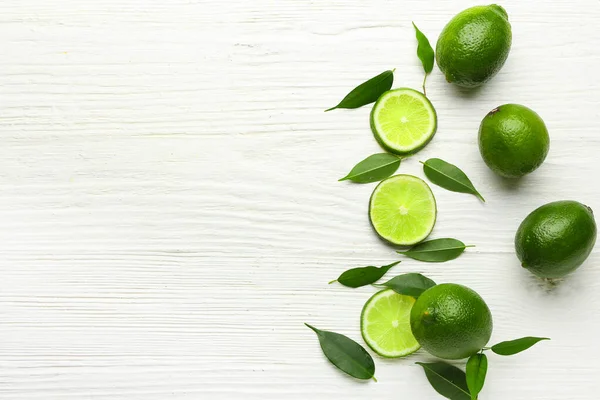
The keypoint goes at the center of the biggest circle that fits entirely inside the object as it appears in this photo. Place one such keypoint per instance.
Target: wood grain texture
(171, 216)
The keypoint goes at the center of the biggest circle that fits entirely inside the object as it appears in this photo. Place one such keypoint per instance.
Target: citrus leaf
(367, 92)
(374, 168)
(361, 276)
(409, 284)
(447, 380)
(511, 347)
(346, 354)
(476, 372)
(449, 177)
(437, 250)
(425, 53)
(424, 50)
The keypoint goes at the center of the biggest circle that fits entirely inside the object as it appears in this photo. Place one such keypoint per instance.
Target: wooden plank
(171, 213)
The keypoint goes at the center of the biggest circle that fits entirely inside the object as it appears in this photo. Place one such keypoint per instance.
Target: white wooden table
(169, 208)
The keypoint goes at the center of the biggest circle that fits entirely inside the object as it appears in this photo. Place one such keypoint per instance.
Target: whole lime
(451, 321)
(513, 140)
(556, 238)
(474, 45)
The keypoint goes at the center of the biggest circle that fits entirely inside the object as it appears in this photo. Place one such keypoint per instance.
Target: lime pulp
(402, 210)
(403, 120)
(385, 324)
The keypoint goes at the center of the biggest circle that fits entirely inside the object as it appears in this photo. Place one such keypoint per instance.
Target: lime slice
(403, 121)
(385, 324)
(403, 210)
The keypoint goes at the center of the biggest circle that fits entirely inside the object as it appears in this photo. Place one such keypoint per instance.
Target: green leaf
(449, 177)
(516, 346)
(437, 250)
(367, 92)
(357, 277)
(476, 371)
(409, 284)
(447, 380)
(374, 168)
(346, 354)
(424, 51)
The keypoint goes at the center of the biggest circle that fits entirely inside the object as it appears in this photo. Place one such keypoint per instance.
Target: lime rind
(385, 324)
(403, 210)
(403, 121)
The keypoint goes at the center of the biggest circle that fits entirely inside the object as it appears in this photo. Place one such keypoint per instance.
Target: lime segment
(385, 324)
(403, 120)
(403, 210)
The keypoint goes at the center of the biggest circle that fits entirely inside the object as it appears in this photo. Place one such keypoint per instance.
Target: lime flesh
(403, 121)
(403, 210)
(385, 324)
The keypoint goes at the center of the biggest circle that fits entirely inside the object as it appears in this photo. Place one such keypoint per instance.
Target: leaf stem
(424, 81)
(375, 379)
(470, 245)
(333, 281)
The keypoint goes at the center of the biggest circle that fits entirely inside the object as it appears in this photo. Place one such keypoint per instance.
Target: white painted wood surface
(171, 216)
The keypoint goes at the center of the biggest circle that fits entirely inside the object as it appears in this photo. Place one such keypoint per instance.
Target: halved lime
(385, 324)
(403, 120)
(403, 210)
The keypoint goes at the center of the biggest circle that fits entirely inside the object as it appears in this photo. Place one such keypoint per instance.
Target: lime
(474, 45)
(403, 210)
(403, 121)
(556, 238)
(513, 140)
(385, 324)
(451, 321)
